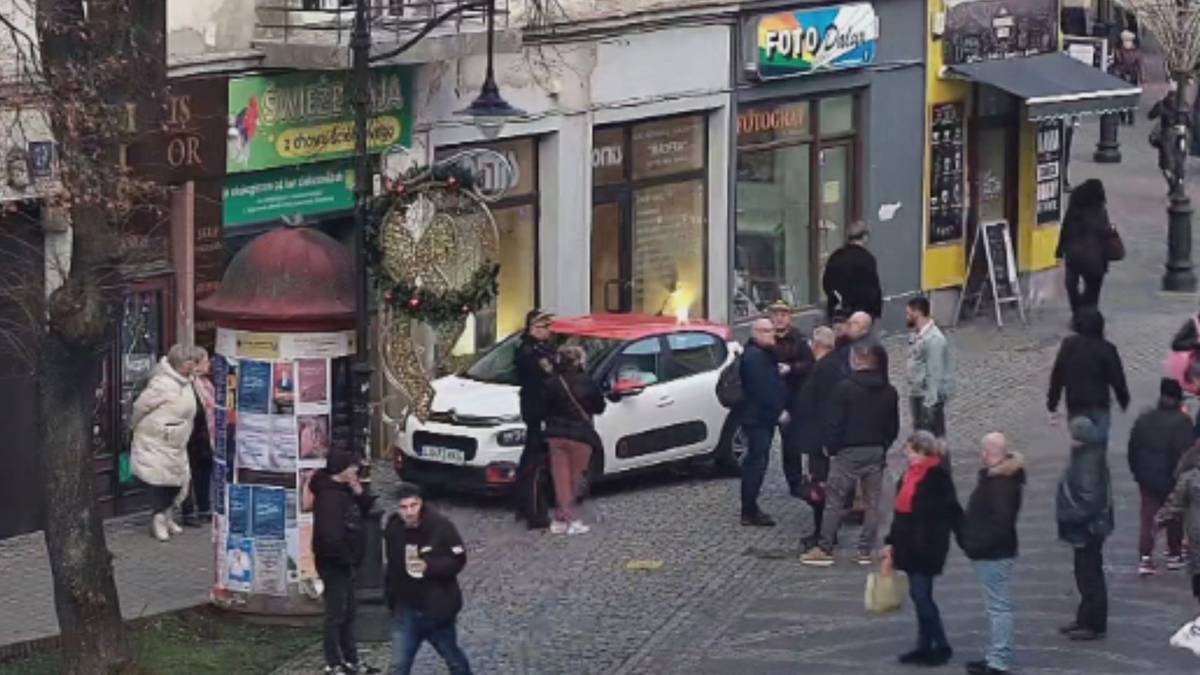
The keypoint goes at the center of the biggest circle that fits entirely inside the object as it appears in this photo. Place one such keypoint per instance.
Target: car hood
(475, 398)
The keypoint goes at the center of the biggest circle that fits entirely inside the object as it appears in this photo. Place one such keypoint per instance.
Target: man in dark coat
(862, 422)
(534, 363)
(1084, 511)
(425, 555)
(989, 538)
(1158, 440)
(851, 279)
(764, 409)
(1087, 367)
(795, 360)
(340, 502)
(808, 423)
(858, 331)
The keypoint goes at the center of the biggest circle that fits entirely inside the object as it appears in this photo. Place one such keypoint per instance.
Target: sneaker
(982, 668)
(577, 527)
(1175, 563)
(173, 527)
(1085, 635)
(759, 519)
(863, 558)
(158, 527)
(559, 527)
(817, 557)
(335, 670)
(1146, 567)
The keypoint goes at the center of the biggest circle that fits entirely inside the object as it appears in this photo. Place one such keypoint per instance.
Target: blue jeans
(754, 465)
(1101, 417)
(410, 628)
(995, 576)
(930, 634)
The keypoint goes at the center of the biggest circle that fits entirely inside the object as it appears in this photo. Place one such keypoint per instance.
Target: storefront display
(946, 180)
(796, 164)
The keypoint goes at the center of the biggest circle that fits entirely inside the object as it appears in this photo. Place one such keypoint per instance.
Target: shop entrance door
(994, 186)
(611, 284)
(835, 173)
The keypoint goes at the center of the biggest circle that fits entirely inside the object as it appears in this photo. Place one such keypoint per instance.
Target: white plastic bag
(1188, 636)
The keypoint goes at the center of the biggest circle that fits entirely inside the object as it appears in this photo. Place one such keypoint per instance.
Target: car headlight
(509, 419)
(511, 438)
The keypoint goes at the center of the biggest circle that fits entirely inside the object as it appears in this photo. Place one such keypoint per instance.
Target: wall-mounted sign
(946, 177)
(1049, 171)
(801, 42)
(981, 30)
(304, 190)
(306, 117)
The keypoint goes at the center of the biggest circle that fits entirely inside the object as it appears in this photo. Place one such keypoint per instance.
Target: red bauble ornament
(452, 181)
(414, 303)
(466, 309)
(388, 296)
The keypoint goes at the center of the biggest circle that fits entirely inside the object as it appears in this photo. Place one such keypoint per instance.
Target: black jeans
(340, 608)
(754, 466)
(1089, 295)
(528, 503)
(199, 500)
(793, 458)
(1093, 591)
(932, 419)
(930, 632)
(818, 472)
(162, 497)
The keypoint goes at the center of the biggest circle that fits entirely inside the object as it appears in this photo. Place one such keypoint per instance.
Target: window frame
(716, 340)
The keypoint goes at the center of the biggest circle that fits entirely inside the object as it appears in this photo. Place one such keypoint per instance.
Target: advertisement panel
(304, 190)
(983, 30)
(801, 42)
(299, 118)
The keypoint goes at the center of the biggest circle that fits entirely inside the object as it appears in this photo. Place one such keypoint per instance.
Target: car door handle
(665, 402)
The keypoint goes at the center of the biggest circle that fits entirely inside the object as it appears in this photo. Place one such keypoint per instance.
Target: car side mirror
(626, 388)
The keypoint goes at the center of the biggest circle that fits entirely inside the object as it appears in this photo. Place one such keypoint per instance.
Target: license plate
(436, 453)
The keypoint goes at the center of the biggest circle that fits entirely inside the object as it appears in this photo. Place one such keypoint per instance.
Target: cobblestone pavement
(733, 600)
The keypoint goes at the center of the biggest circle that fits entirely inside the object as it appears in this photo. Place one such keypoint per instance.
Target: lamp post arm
(429, 27)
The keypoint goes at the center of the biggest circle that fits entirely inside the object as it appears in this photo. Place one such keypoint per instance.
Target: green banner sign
(298, 118)
(305, 190)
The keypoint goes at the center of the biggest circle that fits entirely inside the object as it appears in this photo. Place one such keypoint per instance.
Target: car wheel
(731, 449)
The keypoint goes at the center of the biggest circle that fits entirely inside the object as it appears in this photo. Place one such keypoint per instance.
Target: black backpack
(730, 392)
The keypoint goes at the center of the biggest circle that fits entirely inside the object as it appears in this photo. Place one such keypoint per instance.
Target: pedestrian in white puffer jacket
(162, 424)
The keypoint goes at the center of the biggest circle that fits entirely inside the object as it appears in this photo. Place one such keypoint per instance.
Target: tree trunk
(94, 640)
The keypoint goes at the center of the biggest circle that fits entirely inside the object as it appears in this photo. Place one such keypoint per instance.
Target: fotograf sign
(806, 41)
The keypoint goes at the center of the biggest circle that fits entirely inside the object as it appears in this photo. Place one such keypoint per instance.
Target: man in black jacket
(764, 409)
(862, 422)
(1158, 440)
(425, 554)
(340, 503)
(989, 538)
(808, 424)
(795, 360)
(1087, 366)
(858, 330)
(534, 363)
(851, 279)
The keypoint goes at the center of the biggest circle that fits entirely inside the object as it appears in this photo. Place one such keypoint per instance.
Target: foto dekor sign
(801, 42)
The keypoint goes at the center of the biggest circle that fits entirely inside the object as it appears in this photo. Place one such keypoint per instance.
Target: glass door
(834, 188)
(611, 286)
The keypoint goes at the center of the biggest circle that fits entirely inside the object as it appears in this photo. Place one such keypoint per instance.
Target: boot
(158, 527)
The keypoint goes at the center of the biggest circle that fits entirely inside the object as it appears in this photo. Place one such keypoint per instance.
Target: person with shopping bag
(989, 539)
(927, 511)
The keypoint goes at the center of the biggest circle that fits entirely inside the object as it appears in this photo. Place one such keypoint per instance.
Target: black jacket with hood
(436, 594)
(533, 362)
(808, 418)
(1084, 229)
(1158, 440)
(792, 350)
(852, 276)
(1087, 366)
(989, 529)
(1083, 503)
(864, 410)
(338, 535)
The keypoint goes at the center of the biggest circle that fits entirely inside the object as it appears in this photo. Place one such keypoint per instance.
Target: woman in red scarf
(927, 512)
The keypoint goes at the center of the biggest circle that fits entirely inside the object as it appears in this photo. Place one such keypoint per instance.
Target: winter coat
(1087, 367)
(533, 361)
(435, 594)
(338, 535)
(1158, 440)
(565, 395)
(1081, 239)
(1127, 65)
(1083, 502)
(163, 415)
(792, 349)
(864, 410)
(931, 366)
(989, 529)
(851, 282)
(1184, 501)
(920, 540)
(766, 396)
(808, 420)
(207, 394)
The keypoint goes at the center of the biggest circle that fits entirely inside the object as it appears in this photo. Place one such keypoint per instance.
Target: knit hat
(338, 461)
(1170, 388)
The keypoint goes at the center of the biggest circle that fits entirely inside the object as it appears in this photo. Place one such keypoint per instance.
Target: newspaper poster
(284, 443)
(219, 486)
(220, 378)
(270, 567)
(270, 513)
(313, 436)
(239, 564)
(254, 442)
(283, 388)
(316, 345)
(254, 387)
(220, 431)
(240, 498)
(312, 376)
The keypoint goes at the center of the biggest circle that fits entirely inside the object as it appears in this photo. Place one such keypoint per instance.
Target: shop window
(649, 217)
(795, 197)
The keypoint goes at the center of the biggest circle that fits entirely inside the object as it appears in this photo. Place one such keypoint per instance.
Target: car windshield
(498, 365)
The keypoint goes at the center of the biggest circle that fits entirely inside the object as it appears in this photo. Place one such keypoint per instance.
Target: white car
(661, 373)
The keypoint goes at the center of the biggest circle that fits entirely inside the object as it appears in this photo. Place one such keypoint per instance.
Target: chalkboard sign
(1001, 266)
(946, 173)
(992, 270)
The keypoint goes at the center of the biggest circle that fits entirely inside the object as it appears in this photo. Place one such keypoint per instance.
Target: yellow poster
(258, 345)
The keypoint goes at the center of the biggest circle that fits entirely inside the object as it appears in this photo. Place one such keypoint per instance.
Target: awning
(1053, 85)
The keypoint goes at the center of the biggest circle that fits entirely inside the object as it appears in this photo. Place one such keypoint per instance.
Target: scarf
(912, 478)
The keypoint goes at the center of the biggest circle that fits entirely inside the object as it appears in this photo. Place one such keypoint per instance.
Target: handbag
(885, 591)
(1114, 248)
